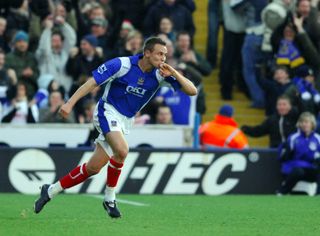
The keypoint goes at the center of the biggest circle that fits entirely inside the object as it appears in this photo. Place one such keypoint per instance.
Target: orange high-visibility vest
(222, 132)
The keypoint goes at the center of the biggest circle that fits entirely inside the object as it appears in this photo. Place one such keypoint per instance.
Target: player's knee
(93, 170)
(121, 154)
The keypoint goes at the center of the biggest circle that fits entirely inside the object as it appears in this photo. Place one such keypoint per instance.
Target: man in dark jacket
(85, 61)
(278, 126)
(23, 62)
(181, 17)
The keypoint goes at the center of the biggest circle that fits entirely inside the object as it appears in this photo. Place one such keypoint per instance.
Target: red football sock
(76, 176)
(114, 171)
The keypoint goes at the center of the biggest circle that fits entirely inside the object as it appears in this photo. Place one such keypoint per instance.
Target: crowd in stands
(49, 48)
(270, 51)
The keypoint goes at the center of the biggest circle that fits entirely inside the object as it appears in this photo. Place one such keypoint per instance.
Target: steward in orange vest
(223, 131)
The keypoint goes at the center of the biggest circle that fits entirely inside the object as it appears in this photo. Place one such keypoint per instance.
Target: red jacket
(223, 131)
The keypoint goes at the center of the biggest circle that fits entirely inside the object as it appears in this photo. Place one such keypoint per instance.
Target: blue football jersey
(128, 88)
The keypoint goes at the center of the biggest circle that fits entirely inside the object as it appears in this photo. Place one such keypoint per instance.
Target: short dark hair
(59, 33)
(150, 42)
(183, 32)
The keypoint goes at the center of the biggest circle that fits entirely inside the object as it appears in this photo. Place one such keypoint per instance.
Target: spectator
(311, 23)
(185, 53)
(133, 44)
(181, 17)
(164, 115)
(230, 66)
(166, 27)
(21, 110)
(275, 87)
(19, 18)
(85, 61)
(132, 10)
(252, 55)
(85, 13)
(3, 39)
(53, 51)
(51, 114)
(213, 31)
(278, 126)
(273, 15)
(126, 29)
(300, 155)
(23, 62)
(8, 81)
(293, 45)
(303, 93)
(141, 119)
(100, 29)
(182, 107)
(87, 117)
(223, 131)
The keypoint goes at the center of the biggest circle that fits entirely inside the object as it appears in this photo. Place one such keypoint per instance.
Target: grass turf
(165, 215)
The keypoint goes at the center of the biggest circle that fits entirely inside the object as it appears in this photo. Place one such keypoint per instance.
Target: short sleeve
(105, 71)
(173, 82)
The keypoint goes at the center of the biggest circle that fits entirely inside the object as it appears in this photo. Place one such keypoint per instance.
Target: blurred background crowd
(270, 52)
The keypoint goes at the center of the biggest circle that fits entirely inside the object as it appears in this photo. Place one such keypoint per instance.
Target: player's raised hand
(166, 70)
(65, 110)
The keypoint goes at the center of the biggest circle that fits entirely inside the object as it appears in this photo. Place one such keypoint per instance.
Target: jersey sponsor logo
(102, 69)
(136, 91)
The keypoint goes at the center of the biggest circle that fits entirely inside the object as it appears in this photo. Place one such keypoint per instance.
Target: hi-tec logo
(30, 169)
(136, 91)
(172, 173)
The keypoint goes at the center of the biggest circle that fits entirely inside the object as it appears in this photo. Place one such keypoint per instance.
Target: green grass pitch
(163, 215)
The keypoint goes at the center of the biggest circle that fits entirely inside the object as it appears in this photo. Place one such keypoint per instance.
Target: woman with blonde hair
(300, 155)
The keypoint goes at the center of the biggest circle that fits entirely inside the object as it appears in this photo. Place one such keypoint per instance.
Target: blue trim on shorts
(104, 125)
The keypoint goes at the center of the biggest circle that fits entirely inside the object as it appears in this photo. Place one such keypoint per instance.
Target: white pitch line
(123, 201)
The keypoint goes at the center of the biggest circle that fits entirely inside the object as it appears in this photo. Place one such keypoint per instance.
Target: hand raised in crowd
(13, 76)
(48, 22)
(189, 57)
(28, 72)
(298, 22)
(99, 51)
(74, 51)
(59, 20)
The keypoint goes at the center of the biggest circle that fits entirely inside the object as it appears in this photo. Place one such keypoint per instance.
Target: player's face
(157, 56)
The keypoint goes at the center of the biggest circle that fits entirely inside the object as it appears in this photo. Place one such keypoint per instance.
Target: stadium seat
(308, 187)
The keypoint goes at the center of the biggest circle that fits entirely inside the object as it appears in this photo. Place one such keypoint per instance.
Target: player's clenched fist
(65, 110)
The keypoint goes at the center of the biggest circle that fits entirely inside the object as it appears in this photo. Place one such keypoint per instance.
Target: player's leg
(120, 151)
(74, 177)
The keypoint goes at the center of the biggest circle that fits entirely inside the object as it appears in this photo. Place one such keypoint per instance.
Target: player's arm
(186, 85)
(81, 92)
